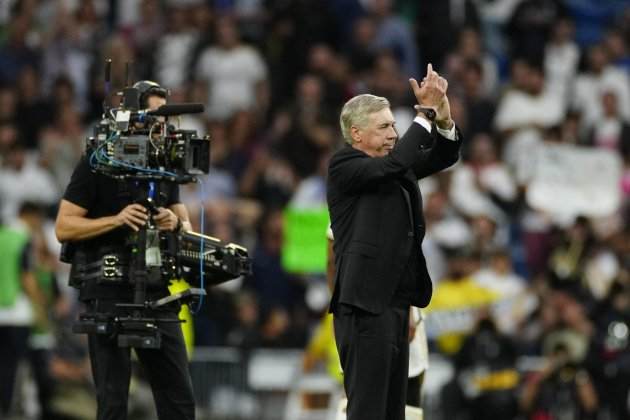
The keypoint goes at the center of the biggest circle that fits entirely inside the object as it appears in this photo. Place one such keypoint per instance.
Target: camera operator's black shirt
(104, 196)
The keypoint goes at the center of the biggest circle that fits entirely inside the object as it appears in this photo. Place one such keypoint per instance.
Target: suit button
(410, 234)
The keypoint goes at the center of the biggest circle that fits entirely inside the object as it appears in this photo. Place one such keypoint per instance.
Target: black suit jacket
(370, 217)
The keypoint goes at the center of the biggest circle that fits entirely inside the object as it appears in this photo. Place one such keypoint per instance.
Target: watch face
(429, 113)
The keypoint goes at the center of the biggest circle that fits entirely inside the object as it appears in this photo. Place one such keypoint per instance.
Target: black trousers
(374, 354)
(13, 349)
(414, 389)
(166, 369)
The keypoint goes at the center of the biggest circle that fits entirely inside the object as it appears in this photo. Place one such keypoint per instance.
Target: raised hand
(431, 93)
(431, 90)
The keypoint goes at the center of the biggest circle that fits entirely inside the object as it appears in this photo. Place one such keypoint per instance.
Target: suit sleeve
(442, 154)
(354, 171)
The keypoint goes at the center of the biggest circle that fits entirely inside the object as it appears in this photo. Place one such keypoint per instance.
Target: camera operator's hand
(166, 219)
(134, 215)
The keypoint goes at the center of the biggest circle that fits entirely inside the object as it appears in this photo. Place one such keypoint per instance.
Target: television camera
(137, 144)
(133, 141)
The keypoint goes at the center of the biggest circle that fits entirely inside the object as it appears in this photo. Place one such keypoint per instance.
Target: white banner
(569, 181)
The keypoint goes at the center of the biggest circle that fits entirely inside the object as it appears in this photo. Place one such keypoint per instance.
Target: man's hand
(432, 89)
(166, 219)
(134, 215)
(431, 93)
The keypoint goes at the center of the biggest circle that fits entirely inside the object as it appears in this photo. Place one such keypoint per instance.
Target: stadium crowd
(528, 237)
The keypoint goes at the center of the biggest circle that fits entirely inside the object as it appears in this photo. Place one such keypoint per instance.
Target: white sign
(569, 181)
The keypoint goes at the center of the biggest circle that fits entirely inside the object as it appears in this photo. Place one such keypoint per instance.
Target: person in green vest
(20, 300)
(42, 340)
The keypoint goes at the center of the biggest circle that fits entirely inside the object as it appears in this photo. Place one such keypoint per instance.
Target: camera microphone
(169, 110)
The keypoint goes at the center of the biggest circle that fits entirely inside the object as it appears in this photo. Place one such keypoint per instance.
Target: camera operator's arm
(73, 225)
(170, 218)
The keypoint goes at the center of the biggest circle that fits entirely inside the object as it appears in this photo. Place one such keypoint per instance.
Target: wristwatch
(428, 112)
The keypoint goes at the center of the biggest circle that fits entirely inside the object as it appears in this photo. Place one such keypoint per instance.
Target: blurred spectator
(8, 105)
(394, 34)
(62, 144)
(274, 287)
(599, 77)
(273, 75)
(445, 227)
(483, 185)
(485, 377)
(617, 48)
(294, 28)
(488, 236)
(530, 26)
(561, 58)
(34, 111)
(268, 179)
(611, 131)
(305, 130)
(235, 77)
(529, 104)
(438, 25)
(456, 303)
(278, 330)
(608, 359)
(8, 138)
(324, 62)
(563, 389)
(568, 256)
(360, 46)
(385, 78)
(515, 303)
(70, 49)
(479, 107)
(470, 50)
(17, 51)
(53, 304)
(494, 16)
(593, 17)
(144, 36)
(173, 50)
(23, 179)
(21, 306)
(245, 334)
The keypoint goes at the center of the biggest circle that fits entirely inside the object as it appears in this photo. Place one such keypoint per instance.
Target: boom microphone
(177, 109)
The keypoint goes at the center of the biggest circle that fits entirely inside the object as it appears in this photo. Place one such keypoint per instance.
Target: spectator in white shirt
(600, 77)
(530, 104)
(235, 77)
(483, 185)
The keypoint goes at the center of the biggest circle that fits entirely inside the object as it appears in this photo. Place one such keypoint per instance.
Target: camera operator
(97, 214)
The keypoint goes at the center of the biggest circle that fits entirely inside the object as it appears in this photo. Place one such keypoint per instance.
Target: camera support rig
(130, 323)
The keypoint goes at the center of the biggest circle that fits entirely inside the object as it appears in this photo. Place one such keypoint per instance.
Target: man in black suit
(376, 216)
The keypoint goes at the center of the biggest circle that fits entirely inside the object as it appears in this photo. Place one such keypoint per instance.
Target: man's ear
(355, 133)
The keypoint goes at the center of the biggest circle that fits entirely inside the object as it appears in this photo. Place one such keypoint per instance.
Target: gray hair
(357, 110)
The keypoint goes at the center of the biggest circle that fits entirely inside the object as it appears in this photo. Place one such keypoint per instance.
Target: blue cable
(100, 152)
(201, 229)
